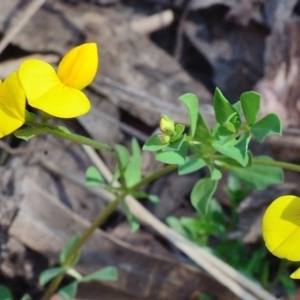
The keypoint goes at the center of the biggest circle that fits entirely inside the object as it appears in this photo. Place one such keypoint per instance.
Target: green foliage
(191, 164)
(268, 125)
(224, 147)
(26, 297)
(201, 194)
(192, 104)
(224, 111)
(259, 176)
(237, 150)
(108, 273)
(154, 199)
(123, 155)
(200, 228)
(93, 177)
(69, 291)
(68, 249)
(132, 171)
(250, 102)
(154, 143)
(5, 293)
(49, 274)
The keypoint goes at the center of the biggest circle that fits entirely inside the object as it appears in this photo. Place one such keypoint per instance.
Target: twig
(32, 8)
(153, 23)
(179, 35)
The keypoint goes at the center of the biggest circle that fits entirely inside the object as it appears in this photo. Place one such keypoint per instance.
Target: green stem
(38, 129)
(153, 176)
(101, 218)
(80, 140)
(274, 163)
(120, 167)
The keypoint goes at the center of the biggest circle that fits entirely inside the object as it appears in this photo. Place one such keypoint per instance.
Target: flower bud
(166, 125)
(165, 139)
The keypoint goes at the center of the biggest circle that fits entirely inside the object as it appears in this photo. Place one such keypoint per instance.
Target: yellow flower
(166, 125)
(12, 105)
(281, 229)
(59, 93)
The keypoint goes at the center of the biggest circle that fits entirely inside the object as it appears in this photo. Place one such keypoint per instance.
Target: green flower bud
(166, 125)
(165, 139)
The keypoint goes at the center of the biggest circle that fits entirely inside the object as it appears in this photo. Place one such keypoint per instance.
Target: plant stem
(101, 218)
(274, 163)
(120, 167)
(79, 139)
(153, 176)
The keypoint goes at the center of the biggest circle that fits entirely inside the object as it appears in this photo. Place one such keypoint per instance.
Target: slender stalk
(274, 163)
(120, 167)
(156, 174)
(101, 218)
(80, 139)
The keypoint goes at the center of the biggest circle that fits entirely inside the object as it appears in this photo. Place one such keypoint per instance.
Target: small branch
(153, 23)
(32, 8)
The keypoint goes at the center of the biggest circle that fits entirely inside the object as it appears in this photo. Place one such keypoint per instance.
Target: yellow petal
(63, 102)
(37, 78)
(296, 274)
(78, 67)
(12, 105)
(281, 227)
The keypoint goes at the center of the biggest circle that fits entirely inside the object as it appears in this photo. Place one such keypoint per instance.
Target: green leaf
(250, 102)
(237, 151)
(173, 157)
(215, 174)
(174, 146)
(69, 291)
(223, 109)
(153, 144)
(93, 177)
(238, 107)
(68, 249)
(29, 116)
(259, 176)
(25, 297)
(123, 155)
(49, 274)
(175, 224)
(179, 129)
(133, 222)
(288, 284)
(63, 129)
(201, 194)
(154, 199)
(192, 103)
(202, 129)
(5, 293)
(268, 125)
(24, 134)
(108, 273)
(170, 157)
(132, 172)
(191, 164)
